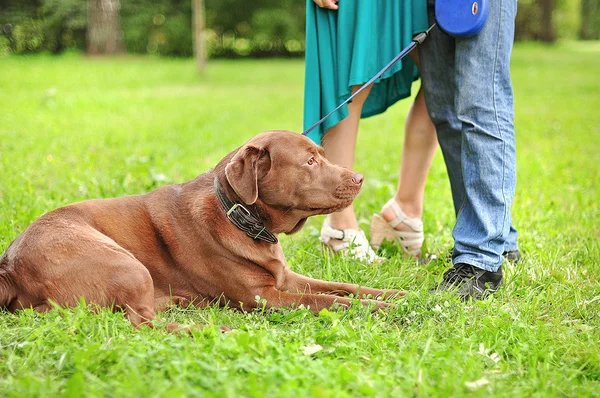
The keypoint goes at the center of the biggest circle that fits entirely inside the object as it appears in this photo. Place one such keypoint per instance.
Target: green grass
(73, 128)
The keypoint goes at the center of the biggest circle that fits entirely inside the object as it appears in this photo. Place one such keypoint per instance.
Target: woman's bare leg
(340, 144)
(420, 145)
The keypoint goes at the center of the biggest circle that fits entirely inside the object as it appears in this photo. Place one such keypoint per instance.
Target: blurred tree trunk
(590, 20)
(547, 33)
(199, 22)
(104, 27)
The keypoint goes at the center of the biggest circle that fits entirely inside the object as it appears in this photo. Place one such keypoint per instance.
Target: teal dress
(348, 46)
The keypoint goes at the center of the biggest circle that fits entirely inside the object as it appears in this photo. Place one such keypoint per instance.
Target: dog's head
(287, 176)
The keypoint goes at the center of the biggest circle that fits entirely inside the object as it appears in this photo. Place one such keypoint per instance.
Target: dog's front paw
(182, 329)
(392, 294)
(377, 305)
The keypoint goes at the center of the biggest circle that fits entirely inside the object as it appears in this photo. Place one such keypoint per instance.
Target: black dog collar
(243, 219)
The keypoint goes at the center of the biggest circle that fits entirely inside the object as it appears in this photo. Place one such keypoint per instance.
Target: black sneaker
(470, 281)
(513, 256)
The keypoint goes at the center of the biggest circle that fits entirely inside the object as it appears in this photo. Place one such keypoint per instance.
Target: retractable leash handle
(459, 18)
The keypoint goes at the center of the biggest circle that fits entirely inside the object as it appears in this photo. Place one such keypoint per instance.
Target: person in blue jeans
(468, 93)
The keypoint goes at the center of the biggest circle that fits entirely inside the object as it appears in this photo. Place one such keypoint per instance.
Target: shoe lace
(460, 273)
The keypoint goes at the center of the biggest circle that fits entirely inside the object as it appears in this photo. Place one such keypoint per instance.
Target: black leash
(244, 219)
(417, 40)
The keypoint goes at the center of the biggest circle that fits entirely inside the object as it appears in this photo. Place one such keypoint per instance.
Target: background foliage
(235, 28)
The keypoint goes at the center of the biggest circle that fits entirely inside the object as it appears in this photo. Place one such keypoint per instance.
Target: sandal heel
(380, 231)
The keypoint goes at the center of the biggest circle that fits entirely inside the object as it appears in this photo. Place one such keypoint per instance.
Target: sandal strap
(415, 223)
(353, 241)
(410, 239)
(328, 233)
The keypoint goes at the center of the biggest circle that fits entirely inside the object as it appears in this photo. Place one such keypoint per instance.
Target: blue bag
(461, 18)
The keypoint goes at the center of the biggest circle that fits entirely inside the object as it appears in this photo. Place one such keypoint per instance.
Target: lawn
(75, 128)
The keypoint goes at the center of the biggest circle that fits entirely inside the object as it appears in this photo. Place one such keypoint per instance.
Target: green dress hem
(374, 33)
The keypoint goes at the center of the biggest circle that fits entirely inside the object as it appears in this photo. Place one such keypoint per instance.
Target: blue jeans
(469, 96)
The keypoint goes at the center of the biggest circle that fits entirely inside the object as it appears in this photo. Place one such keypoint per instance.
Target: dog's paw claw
(225, 329)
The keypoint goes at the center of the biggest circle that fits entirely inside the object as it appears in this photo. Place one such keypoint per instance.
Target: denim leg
(511, 243)
(484, 105)
(437, 72)
(469, 97)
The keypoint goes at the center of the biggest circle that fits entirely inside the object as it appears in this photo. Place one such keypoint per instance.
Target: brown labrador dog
(212, 239)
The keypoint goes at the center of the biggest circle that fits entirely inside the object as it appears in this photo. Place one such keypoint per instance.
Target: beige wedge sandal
(409, 241)
(353, 244)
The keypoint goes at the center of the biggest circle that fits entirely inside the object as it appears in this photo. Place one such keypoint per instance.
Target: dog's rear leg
(297, 283)
(163, 302)
(133, 291)
(316, 302)
(136, 313)
(136, 297)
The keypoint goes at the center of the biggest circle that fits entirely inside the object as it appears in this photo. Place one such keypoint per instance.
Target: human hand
(331, 4)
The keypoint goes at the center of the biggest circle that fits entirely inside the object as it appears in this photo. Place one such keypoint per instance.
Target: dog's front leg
(315, 302)
(297, 283)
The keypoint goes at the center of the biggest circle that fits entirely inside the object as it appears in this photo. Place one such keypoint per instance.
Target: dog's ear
(242, 173)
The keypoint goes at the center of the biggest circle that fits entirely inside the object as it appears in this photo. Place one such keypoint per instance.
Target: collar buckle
(244, 219)
(235, 207)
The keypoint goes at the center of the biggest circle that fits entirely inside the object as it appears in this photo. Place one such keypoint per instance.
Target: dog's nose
(357, 178)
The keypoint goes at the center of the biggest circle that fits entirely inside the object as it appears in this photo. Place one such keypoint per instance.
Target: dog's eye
(312, 161)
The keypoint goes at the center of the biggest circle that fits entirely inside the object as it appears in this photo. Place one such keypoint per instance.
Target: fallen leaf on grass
(311, 349)
(474, 385)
